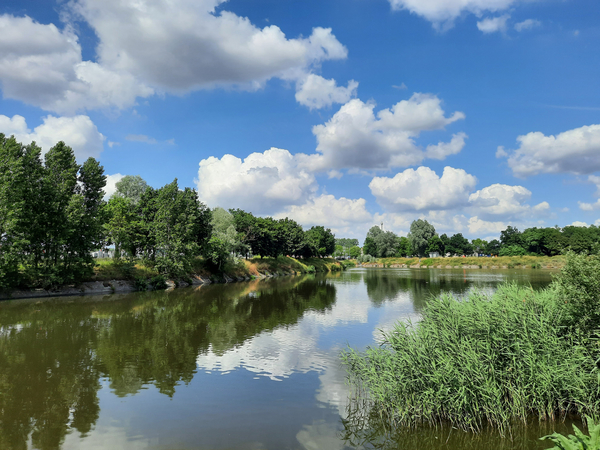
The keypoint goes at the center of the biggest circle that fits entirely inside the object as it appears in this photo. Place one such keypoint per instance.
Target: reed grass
(509, 262)
(484, 360)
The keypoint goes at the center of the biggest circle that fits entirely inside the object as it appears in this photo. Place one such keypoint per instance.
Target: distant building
(434, 254)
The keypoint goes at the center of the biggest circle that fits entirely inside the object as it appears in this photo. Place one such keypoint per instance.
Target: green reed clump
(481, 360)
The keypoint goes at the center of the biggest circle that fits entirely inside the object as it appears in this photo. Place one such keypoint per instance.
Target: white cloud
(479, 227)
(493, 24)
(78, 132)
(261, 183)
(317, 92)
(422, 189)
(574, 151)
(595, 180)
(579, 224)
(182, 45)
(507, 202)
(357, 139)
(442, 13)
(527, 25)
(443, 149)
(111, 181)
(42, 65)
(589, 206)
(336, 213)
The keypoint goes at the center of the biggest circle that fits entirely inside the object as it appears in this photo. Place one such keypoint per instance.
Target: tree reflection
(53, 353)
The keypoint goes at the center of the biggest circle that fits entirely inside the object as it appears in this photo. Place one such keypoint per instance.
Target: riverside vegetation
(53, 217)
(513, 356)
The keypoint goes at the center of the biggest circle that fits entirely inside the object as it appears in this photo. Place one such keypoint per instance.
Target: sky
(471, 114)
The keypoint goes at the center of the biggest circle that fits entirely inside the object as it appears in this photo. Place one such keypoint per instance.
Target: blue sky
(472, 114)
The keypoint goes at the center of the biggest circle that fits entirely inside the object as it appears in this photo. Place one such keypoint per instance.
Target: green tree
(479, 245)
(321, 240)
(459, 245)
(370, 247)
(177, 229)
(354, 252)
(435, 244)
(131, 187)
(404, 249)
(420, 233)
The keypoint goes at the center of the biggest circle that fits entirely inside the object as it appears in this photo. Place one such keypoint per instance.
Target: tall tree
(131, 187)
(420, 233)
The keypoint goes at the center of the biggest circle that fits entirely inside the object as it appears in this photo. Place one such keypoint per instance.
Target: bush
(311, 269)
(158, 282)
(140, 284)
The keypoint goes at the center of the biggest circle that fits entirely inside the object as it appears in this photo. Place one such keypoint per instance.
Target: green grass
(480, 361)
(510, 262)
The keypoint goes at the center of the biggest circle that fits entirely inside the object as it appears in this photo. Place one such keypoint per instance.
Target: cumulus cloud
(574, 151)
(422, 189)
(42, 66)
(181, 45)
(261, 183)
(337, 213)
(78, 132)
(146, 47)
(442, 13)
(507, 202)
(356, 138)
(480, 227)
(317, 92)
(111, 182)
(493, 24)
(527, 25)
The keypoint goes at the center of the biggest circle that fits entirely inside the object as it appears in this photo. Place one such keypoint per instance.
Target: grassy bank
(506, 262)
(514, 355)
(108, 269)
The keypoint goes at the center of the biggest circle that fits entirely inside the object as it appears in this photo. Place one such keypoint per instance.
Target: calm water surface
(243, 366)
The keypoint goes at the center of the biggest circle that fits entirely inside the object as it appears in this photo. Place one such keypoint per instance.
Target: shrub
(140, 284)
(158, 282)
(310, 269)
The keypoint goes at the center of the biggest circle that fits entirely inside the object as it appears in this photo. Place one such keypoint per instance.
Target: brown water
(242, 366)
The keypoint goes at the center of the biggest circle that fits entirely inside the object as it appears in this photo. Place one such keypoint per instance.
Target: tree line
(53, 217)
(423, 239)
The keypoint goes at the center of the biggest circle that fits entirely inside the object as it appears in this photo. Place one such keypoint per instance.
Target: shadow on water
(53, 353)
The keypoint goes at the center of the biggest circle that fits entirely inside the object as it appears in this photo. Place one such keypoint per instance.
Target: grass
(485, 360)
(109, 269)
(510, 262)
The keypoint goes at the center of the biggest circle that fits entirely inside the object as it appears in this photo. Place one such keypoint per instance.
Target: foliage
(480, 360)
(158, 282)
(131, 187)
(459, 245)
(578, 288)
(404, 248)
(579, 441)
(354, 252)
(420, 233)
(512, 250)
(435, 244)
(51, 215)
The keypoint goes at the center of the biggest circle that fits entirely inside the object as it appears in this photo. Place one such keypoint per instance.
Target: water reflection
(60, 359)
(53, 353)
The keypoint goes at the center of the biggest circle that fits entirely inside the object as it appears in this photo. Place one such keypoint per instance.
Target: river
(252, 365)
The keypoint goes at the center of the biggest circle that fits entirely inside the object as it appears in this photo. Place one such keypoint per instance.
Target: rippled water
(242, 366)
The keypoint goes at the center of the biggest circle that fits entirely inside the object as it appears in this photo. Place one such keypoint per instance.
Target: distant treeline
(423, 240)
(53, 217)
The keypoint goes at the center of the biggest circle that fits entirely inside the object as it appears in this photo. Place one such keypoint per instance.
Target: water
(242, 366)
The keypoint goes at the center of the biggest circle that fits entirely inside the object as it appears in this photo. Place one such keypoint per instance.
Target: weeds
(579, 441)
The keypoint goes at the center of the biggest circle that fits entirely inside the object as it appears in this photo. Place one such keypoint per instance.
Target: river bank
(112, 277)
(501, 262)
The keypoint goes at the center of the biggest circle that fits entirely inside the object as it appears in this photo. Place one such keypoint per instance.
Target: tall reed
(481, 360)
